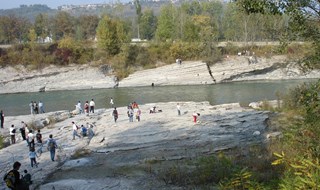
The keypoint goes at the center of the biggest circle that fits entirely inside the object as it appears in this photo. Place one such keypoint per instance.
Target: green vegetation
(1, 142)
(188, 30)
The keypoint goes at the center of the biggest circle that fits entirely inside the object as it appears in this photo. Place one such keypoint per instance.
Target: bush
(1, 142)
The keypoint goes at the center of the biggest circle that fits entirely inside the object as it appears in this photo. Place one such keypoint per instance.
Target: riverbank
(75, 77)
(126, 155)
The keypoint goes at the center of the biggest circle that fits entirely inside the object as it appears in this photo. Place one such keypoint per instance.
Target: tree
(304, 17)
(138, 12)
(88, 24)
(110, 34)
(165, 29)
(63, 25)
(148, 24)
(14, 29)
(41, 26)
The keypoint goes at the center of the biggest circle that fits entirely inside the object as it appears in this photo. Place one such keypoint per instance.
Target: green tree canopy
(148, 24)
(111, 34)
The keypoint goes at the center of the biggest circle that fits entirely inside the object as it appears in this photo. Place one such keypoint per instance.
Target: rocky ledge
(119, 156)
(74, 77)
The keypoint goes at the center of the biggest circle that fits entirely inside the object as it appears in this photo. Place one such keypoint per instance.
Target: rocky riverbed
(119, 156)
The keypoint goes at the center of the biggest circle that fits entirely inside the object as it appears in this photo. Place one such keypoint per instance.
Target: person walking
(39, 136)
(32, 156)
(115, 114)
(1, 118)
(92, 105)
(111, 102)
(75, 131)
(51, 146)
(12, 132)
(23, 133)
(90, 132)
(30, 139)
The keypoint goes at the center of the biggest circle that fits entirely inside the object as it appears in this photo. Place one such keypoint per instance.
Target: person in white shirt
(75, 131)
(79, 107)
(111, 102)
(30, 139)
(12, 131)
(92, 104)
(178, 109)
(41, 107)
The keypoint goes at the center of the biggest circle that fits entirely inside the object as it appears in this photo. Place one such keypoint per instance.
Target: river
(243, 92)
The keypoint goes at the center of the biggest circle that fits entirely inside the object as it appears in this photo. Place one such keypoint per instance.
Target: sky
(9, 4)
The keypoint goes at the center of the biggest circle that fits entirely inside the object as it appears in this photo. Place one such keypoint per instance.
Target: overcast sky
(9, 4)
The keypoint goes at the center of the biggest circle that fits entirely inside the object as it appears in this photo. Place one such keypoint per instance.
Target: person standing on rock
(41, 107)
(86, 108)
(138, 113)
(24, 131)
(1, 118)
(12, 131)
(130, 113)
(79, 107)
(178, 109)
(31, 105)
(115, 114)
(75, 131)
(92, 104)
(35, 107)
(51, 146)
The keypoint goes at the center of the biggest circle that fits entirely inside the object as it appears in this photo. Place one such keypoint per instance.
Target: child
(27, 178)
(32, 156)
(83, 131)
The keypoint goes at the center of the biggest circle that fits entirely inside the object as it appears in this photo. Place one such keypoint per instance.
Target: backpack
(38, 137)
(51, 145)
(10, 179)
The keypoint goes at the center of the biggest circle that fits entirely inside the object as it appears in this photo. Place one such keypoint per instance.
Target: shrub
(1, 142)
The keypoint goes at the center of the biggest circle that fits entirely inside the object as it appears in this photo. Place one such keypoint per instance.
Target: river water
(244, 92)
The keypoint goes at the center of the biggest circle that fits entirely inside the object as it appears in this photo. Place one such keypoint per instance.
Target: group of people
(88, 107)
(33, 140)
(15, 181)
(132, 110)
(36, 108)
(85, 131)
